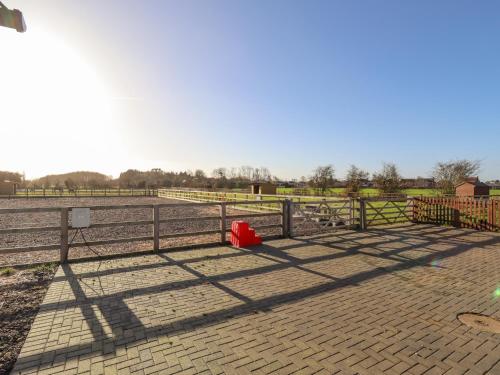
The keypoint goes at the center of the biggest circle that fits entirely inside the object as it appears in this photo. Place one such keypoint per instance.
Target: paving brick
(374, 302)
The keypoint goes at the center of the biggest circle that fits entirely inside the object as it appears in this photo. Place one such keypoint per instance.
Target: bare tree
(322, 177)
(219, 173)
(354, 178)
(256, 174)
(232, 173)
(70, 184)
(451, 173)
(262, 174)
(199, 174)
(246, 172)
(389, 179)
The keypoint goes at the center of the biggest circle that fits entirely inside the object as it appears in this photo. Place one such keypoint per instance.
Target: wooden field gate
(311, 217)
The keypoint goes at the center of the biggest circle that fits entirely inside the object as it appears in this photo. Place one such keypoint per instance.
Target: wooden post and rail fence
(481, 214)
(81, 193)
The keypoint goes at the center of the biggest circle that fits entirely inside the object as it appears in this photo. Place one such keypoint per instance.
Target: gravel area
(41, 219)
(21, 292)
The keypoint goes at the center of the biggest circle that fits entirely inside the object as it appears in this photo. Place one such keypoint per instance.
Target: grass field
(374, 191)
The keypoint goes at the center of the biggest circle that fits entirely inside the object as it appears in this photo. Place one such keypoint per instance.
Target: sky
(289, 85)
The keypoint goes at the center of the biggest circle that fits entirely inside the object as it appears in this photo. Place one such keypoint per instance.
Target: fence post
(156, 227)
(362, 214)
(289, 217)
(351, 213)
(284, 218)
(413, 201)
(64, 235)
(494, 218)
(456, 214)
(223, 222)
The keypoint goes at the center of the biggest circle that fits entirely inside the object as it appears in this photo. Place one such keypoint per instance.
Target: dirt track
(129, 214)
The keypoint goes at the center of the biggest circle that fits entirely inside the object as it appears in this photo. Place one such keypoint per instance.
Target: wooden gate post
(64, 235)
(223, 222)
(490, 208)
(362, 214)
(414, 210)
(288, 217)
(156, 227)
(456, 217)
(351, 212)
(285, 211)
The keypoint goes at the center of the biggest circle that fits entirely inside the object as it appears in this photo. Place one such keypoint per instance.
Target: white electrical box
(80, 217)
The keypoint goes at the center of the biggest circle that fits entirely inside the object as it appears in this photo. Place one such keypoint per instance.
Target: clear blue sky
(287, 84)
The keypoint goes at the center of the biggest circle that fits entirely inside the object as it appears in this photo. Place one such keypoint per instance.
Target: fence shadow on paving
(128, 328)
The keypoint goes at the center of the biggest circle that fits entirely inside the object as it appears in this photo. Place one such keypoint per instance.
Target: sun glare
(52, 103)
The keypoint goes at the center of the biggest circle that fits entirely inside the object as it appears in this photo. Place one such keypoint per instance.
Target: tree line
(220, 178)
(388, 180)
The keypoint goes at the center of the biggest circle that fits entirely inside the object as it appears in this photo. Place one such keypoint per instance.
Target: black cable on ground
(80, 230)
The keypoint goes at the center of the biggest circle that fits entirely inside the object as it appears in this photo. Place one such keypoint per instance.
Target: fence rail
(381, 212)
(82, 193)
(214, 196)
(219, 196)
(250, 201)
(65, 225)
(296, 218)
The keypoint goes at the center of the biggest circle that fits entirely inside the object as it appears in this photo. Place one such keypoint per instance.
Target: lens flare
(496, 293)
(436, 262)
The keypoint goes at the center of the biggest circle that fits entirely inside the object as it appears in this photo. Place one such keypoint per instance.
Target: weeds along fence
(81, 193)
(463, 212)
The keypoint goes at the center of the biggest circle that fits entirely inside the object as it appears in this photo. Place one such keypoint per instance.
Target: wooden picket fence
(461, 212)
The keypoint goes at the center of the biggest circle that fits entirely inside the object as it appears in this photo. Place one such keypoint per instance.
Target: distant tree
(451, 173)
(232, 173)
(354, 179)
(256, 175)
(265, 174)
(11, 176)
(389, 179)
(219, 173)
(246, 172)
(261, 174)
(70, 184)
(323, 177)
(199, 174)
(45, 182)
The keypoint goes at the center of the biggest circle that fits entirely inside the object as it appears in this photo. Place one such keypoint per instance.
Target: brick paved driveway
(378, 302)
